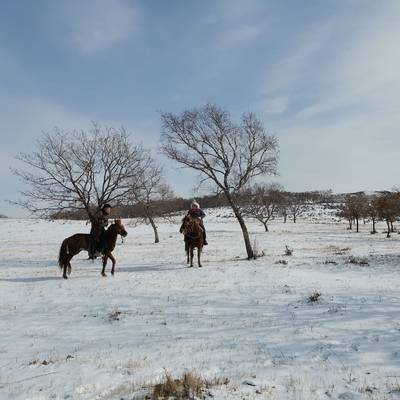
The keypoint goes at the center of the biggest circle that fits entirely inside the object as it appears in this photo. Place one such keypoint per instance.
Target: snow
(252, 322)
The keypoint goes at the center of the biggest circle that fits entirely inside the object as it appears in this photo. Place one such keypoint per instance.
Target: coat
(196, 213)
(99, 223)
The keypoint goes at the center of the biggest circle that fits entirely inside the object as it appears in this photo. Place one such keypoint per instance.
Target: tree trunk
(265, 226)
(294, 218)
(156, 238)
(373, 226)
(350, 224)
(245, 232)
(391, 227)
(388, 228)
(357, 225)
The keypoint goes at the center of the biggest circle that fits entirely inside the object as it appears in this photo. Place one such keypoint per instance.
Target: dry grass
(358, 260)
(330, 262)
(116, 315)
(189, 387)
(288, 251)
(314, 297)
(36, 361)
(336, 250)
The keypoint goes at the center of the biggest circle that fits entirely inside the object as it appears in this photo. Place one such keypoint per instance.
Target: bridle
(188, 225)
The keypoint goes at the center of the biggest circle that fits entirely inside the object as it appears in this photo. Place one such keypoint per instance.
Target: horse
(74, 244)
(191, 228)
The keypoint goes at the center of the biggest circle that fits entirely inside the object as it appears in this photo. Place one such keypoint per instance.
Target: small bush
(114, 315)
(189, 387)
(338, 251)
(36, 361)
(314, 297)
(330, 262)
(288, 251)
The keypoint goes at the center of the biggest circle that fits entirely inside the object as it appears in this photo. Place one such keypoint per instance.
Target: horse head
(120, 229)
(190, 225)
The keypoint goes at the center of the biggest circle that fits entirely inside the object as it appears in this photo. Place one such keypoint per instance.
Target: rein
(189, 234)
(192, 237)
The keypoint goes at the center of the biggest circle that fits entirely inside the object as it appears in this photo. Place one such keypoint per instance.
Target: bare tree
(372, 212)
(388, 208)
(263, 202)
(149, 193)
(354, 208)
(227, 154)
(79, 170)
(296, 204)
(345, 211)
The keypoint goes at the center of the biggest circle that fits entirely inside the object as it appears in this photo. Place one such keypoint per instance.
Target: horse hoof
(103, 274)
(200, 266)
(65, 276)
(112, 273)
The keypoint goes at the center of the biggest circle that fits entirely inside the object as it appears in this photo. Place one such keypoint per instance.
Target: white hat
(195, 203)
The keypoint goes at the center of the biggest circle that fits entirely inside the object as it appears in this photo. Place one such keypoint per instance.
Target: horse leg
(198, 256)
(187, 251)
(114, 261)
(105, 258)
(69, 268)
(191, 256)
(65, 270)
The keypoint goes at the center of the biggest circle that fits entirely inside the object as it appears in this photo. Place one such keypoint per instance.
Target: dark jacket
(99, 223)
(196, 213)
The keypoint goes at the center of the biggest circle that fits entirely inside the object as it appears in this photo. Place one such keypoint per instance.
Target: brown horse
(74, 244)
(191, 228)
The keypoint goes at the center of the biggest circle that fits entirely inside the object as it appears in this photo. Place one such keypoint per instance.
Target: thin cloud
(241, 35)
(345, 84)
(96, 25)
(241, 22)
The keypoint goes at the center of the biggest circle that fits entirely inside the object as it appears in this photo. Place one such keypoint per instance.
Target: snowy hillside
(319, 324)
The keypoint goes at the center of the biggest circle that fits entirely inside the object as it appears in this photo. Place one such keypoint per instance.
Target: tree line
(384, 206)
(72, 174)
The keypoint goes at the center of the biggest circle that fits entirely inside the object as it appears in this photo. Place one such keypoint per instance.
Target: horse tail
(63, 254)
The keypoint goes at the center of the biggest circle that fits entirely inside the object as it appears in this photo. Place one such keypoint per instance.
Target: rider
(99, 222)
(196, 212)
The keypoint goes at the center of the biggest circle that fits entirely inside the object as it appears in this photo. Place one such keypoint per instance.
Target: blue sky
(324, 76)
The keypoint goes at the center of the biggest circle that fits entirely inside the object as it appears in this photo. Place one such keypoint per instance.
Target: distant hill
(3, 216)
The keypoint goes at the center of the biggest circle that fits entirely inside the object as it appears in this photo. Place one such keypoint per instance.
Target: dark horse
(74, 244)
(191, 228)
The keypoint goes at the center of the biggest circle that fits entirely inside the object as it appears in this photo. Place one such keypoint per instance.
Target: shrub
(114, 315)
(288, 251)
(314, 297)
(189, 387)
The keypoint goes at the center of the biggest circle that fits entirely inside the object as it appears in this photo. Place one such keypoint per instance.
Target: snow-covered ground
(252, 322)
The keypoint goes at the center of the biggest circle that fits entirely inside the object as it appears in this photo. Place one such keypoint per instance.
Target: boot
(92, 250)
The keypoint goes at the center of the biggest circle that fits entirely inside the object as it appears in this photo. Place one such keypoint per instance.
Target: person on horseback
(99, 223)
(196, 212)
